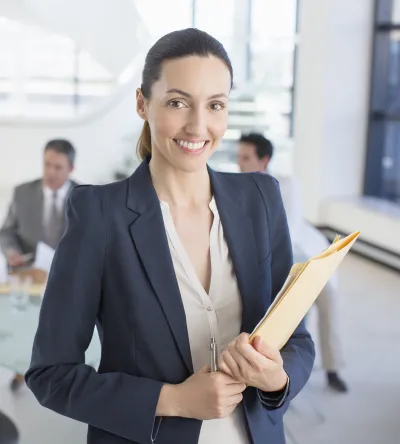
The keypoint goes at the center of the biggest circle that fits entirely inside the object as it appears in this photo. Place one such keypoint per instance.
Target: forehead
(54, 156)
(247, 148)
(198, 76)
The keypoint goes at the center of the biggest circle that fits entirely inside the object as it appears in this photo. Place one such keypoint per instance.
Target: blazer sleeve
(118, 403)
(8, 232)
(298, 354)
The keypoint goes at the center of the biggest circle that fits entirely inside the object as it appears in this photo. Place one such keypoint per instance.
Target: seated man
(37, 210)
(255, 152)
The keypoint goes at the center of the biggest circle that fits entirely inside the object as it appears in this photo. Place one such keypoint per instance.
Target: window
(273, 45)
(161, 17)
(382, 173)
(46, 75)
(207, 17)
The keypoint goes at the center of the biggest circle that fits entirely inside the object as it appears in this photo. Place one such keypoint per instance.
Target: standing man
(37, 210)
(255, 153)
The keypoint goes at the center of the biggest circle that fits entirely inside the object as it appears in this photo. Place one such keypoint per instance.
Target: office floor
(370, 307)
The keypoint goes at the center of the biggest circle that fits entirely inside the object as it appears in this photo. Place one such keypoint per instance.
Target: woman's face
(188, 110)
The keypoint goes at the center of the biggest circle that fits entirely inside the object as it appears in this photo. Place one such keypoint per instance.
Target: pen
(27, 257)
(213, 355)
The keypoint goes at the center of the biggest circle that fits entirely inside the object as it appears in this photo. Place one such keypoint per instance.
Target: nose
(197, 123)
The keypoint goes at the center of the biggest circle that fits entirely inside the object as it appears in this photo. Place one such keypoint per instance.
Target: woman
(162, 261)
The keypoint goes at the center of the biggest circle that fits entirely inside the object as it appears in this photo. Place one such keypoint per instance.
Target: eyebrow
(183, 93)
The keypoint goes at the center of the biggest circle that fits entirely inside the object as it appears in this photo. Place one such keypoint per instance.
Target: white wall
(331, 102)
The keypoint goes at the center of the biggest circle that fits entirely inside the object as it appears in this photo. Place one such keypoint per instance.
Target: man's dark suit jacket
(113, 267)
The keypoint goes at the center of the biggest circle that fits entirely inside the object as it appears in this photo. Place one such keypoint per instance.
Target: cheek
(218, 126)
(166, 124)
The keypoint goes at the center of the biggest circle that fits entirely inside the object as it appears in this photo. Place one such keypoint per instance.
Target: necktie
(53, 229)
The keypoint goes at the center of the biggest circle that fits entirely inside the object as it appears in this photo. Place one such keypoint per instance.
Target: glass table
(17, 332)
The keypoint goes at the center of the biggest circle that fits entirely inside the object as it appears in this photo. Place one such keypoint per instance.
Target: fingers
(234, 400)
(231, 365)
(223, 379)
(234, 389)
(13, 259)
(269, 352)
(228, 385)
(244, 354)
(232, 393)
(257, 352)
(223, 367)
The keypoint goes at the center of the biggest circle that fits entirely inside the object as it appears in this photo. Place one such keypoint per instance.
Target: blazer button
(209, 309)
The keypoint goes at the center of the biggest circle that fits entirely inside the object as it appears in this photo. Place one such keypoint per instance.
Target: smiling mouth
(191, 147)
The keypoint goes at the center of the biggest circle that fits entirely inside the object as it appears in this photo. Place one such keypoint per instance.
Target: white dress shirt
(218, 314)
(62, 194)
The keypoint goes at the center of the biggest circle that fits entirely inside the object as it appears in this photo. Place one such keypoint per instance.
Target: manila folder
(291, 305)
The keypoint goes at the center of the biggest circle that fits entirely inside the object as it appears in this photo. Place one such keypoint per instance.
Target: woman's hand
(257, 365)
(207, 395)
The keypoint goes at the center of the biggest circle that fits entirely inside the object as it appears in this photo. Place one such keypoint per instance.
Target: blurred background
(320, 79)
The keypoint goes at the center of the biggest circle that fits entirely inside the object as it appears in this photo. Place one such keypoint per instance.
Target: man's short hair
(264, 147)
(62, 146)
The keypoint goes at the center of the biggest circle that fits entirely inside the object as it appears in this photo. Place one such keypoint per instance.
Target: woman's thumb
(204, 369)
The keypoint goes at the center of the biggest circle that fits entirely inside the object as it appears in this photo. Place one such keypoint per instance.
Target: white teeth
(190, 145)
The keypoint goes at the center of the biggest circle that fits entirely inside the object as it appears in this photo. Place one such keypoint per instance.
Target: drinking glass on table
(20, 291)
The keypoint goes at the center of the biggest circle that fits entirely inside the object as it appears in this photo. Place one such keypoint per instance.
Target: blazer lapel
(148, 234)
(239, 234)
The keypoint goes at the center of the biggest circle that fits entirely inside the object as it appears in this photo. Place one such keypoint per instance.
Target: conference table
(17, 332)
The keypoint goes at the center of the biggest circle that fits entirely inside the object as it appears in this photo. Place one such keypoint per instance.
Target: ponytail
(143, 148)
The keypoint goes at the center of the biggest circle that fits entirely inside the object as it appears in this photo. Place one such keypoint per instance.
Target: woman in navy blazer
(113, 269)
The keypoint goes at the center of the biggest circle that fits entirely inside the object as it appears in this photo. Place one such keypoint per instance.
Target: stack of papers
(43, 257)
(38, 271)
(299, 292)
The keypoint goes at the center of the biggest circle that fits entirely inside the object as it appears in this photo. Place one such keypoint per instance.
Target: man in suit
(255, 153)
(37, 210)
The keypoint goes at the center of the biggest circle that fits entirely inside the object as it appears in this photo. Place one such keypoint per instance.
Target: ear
(266, 161)
(141, 104)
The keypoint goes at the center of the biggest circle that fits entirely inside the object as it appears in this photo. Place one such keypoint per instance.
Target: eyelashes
(220, 106)
(179, 104)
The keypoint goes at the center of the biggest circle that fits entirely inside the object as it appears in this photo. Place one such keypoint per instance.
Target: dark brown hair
(175, 45)
(263, 146)
(62, 146)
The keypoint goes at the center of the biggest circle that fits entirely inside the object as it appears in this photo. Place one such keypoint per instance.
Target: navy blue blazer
(113, 268)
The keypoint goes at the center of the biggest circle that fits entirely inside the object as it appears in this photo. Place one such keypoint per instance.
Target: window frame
(378, 117)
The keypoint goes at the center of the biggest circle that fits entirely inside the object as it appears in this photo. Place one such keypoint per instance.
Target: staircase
(245, 115)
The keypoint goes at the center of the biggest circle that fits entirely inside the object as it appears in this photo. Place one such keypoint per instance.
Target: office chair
(8, 431)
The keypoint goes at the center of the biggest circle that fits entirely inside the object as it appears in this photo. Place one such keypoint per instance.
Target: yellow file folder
(302, 287)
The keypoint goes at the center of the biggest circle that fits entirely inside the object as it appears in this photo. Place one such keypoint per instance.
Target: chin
(191, 164)
(190, 161)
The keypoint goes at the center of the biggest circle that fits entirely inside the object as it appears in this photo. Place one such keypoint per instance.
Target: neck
(54, 188)
(177, 187)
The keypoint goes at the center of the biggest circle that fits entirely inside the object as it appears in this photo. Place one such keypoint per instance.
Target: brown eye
(176, 104)
(217, 106)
